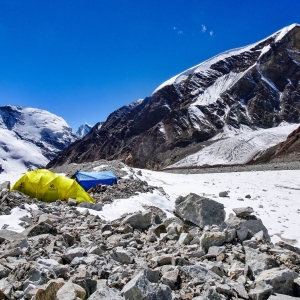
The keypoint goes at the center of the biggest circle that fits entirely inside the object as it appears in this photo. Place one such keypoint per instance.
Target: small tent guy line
(91, 179)
(49, 187)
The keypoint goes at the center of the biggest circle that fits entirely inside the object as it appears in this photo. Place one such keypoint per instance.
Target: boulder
(70, 291)
(258, 261)
(106, 293)
(199, 272)
(261, 291)
(5, 289)
(243, 211)
(139, 220)
(199, 210)
(49, 291)
(185, 238)
(71, 253)
(171, 278)
(253, 224)
(209, 239)
(9, 235)
(223, 194)
(122, 256)
(140, 288)
(282, 280)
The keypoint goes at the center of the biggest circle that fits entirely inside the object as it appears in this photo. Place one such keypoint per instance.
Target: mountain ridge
(30, 137)
(256, 86)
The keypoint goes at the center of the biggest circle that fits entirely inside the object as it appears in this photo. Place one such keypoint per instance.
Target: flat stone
(243, 211)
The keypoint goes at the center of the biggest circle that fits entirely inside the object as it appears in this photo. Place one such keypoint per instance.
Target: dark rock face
(257, 86)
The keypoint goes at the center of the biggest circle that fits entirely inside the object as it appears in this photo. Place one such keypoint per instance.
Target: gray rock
(97, 206)
(223, 194)
(4, 272)
(199, 210)
(171, 278)
(139, 220)
(261, 291)
(99, 250)
(140, 288)
(242, 233)
(209, 239)
(199, 272)
(49, 291)
(243, 211)
(70, 291)
(230, 235)
(281, 297)
(12, 252)
(71, 253)
(5, 289)
(122, 256)
(106, 293)
(185, 238)
(161, 260)
(152, 275)
(8, 235)
(40, 228)
(72, 202)
(216, 267)
(215, 250)
(19, 243)
(282, 280)
(297, 286)
(209, 294)
(254, 225)
(51, 264)
(258, 261)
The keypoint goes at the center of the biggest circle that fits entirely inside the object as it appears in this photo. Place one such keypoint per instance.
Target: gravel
(295, 165)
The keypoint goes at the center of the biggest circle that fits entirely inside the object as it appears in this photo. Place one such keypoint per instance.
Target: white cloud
(180, 32)
(211, 33)
(174, 28)
(203, 28)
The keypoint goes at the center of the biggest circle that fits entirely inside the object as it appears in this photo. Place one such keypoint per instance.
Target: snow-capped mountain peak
(83, 130)
(31, 137)
(206, 65)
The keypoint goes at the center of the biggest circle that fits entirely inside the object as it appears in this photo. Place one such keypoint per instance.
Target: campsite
(137, 227)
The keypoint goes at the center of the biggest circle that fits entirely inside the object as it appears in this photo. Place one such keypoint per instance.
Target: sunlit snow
(239, 148)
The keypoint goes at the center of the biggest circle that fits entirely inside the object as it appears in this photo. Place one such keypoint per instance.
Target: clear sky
(83, 59)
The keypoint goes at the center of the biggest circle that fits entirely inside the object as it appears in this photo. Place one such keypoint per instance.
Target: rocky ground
(295, 165)
(64, 253)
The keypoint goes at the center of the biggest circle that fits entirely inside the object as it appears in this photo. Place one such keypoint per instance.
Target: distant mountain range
(245, 90)
(30, 137)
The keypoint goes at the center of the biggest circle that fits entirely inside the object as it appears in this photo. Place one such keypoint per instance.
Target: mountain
(286, 151)
(83, 130)
(251, 88)
(31, 137)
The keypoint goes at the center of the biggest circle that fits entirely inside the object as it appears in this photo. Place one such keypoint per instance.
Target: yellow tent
(48, 187)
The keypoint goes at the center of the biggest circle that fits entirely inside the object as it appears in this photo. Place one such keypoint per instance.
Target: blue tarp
(91, 179)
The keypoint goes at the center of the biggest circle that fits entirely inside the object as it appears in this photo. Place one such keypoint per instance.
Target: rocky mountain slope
(256, 86)
(31, 137)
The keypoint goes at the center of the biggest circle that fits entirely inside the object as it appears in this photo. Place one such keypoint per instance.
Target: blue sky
(83, 59)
